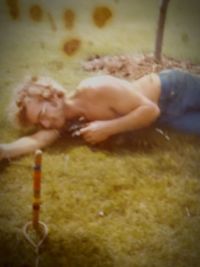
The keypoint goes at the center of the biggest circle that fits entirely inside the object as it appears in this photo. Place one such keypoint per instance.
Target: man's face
(47, 113)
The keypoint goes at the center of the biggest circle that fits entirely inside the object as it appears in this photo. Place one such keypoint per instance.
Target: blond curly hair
(43, 87)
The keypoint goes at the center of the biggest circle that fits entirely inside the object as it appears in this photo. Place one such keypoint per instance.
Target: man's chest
(96, 105)
(95, 111)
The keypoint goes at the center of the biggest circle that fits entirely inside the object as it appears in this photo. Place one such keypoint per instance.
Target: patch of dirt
(135, 66)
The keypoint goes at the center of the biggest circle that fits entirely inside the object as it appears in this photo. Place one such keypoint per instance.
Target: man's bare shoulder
(97, 82)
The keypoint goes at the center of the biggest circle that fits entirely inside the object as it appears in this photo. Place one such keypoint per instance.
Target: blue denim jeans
(180, 101)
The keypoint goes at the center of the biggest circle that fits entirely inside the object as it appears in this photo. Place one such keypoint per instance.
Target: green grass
(133, 201)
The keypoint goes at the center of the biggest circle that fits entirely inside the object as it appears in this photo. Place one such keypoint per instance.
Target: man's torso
(106, 97)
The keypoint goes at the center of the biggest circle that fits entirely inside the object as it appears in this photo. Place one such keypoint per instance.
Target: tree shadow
(4, 164)
(78, 249)
(144, 140)
(71, 250)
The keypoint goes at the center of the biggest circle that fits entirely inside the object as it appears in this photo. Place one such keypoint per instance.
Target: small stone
(101, 213)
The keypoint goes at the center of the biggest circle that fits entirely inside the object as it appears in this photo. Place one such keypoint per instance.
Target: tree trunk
(160, 29)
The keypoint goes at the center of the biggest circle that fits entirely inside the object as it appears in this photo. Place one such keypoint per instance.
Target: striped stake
(39, 227)
(36, 188)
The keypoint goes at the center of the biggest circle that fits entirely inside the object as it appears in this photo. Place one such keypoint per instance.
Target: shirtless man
(108, 105)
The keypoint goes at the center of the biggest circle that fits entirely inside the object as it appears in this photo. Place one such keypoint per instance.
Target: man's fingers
(79, 132)
(83, 130)
(76, 133)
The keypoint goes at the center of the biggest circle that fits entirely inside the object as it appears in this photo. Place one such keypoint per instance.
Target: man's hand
(95, 132)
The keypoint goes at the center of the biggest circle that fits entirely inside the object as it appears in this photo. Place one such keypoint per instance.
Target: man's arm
(141, 117)
(28, 144)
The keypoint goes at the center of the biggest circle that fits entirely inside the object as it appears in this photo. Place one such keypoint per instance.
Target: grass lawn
(133, 201)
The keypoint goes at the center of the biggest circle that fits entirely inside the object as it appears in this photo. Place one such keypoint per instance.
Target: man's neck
(73, 109)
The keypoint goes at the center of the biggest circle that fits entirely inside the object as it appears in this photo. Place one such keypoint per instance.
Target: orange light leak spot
(36, 13)
(101, 15)
(13, 6)
(70, 47)
(69, 17)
